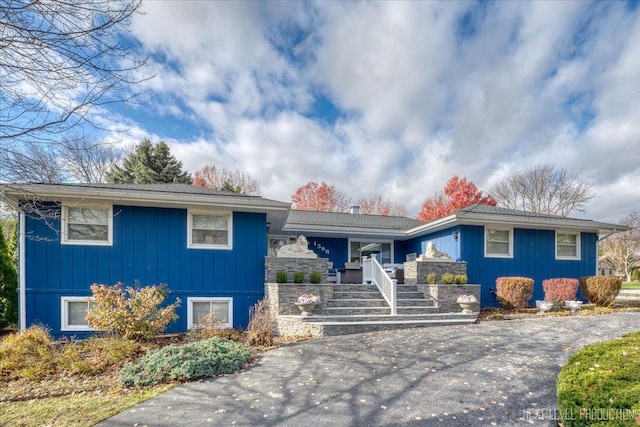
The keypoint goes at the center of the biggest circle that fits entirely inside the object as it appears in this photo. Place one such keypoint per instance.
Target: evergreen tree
(149, 164)
(8, 287)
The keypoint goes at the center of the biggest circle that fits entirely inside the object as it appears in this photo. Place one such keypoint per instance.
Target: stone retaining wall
(291, 265)
(416, 271)
(445, 296)
(282, 297)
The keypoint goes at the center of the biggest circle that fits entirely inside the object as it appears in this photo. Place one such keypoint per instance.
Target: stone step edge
(396, 322)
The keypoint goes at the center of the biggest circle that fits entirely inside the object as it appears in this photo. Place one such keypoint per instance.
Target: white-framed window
(209, 230)
(87, 225)
(359, 248)
(73, 312)
(498, 242)
(567, 245)
(202, 309)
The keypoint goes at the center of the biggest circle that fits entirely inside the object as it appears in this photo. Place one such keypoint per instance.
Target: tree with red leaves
(458, 194)
(378, 205)
(320, 197)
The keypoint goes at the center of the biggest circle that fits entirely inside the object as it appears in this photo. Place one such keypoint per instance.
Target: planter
(468, 307)
(306, 309)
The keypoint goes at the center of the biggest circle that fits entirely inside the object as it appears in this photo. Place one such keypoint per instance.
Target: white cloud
(424, 90)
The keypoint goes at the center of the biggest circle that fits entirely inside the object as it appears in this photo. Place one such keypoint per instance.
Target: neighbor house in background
(209, 246)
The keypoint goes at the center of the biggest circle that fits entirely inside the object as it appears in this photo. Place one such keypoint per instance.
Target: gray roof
(483, 213)
(167, 193)
(340, 220)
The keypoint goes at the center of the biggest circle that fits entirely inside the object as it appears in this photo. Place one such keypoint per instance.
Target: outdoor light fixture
(455, 236)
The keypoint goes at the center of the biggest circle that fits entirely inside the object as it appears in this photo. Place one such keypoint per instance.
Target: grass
(630, 285)
(602, 379)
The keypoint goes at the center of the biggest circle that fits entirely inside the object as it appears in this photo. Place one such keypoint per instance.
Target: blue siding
(338, 249)
(533, 256)
(149, 245)
(444, 241)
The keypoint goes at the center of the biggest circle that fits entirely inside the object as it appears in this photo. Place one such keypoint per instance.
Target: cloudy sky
(395, 97)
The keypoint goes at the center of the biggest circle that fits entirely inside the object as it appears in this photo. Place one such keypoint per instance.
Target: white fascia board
(298, 228)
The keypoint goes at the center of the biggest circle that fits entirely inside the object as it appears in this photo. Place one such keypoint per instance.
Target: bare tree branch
(622, 250)
(543, 189)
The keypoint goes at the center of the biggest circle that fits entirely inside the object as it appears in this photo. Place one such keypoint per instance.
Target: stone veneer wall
(291, 265)
(416, 271)
(445, 296)
(282, 297)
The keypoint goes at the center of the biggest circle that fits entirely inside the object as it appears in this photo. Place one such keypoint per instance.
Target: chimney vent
(355, 209)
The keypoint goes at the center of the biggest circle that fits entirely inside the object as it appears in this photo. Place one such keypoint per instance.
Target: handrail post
(394, 297)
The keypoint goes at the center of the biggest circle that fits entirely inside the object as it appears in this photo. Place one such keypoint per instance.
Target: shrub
(601, 290)
(315, 277)
(603, 376)
(432, 278)
(298, 277)
(134, 313)
(281, 276)
(259, 331)
(461, 279)
(206, 326)
(557, 291)
(95, 355)
(190, 361)
(29, 354)
(447, 278)
(514, 292)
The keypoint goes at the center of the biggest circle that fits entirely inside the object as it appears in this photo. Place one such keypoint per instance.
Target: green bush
(601, 290)
(315, 277)
(298, 277)
(447, 278)
(282, 276)
(432, 278)
(191, 361)
(557, 291)
(600, 384)
(461, 279)
(514, 292)
(133, 313)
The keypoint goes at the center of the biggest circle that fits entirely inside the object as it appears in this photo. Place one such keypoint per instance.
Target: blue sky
(394, 97)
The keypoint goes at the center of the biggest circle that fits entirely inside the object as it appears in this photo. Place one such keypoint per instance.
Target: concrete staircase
(362, 308)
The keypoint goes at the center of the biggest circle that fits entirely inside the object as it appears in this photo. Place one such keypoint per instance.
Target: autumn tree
(59, 61)
(223, 179)
(148, 164)
(379, 205)
(458, 194)
(543, 189)
(320, 197)
(622, 250)
(74, 158)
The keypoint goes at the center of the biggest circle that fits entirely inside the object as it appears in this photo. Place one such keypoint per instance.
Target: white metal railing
(373, 272)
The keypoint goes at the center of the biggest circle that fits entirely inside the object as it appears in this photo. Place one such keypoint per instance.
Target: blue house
(494, 242)
(210, 246)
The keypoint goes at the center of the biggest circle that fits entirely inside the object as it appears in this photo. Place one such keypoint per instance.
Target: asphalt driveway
(499, 373)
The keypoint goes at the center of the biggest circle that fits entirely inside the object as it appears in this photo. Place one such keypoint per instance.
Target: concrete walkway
(498, 373)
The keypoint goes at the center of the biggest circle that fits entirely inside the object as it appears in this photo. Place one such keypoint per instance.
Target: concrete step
(412, 302)
(386, 317)
(345, 328)
(357, 310)
(355, 288)
(358, 302)
(424, 309)
(410, 294)
(357, 294)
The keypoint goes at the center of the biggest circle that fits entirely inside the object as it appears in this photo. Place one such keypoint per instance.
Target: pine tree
(149, 164)
(8, 287)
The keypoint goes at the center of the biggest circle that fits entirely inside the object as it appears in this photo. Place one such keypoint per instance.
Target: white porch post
(22, 296)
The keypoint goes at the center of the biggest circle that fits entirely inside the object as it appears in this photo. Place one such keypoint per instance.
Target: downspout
(22, 310)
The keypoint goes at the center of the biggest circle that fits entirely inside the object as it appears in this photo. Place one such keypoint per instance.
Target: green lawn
(630, 285)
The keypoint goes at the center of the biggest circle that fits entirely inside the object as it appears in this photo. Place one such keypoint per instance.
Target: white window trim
(486, 234)
(191, 300)
(578, 235)
(64, 314)
(192, 245)
(65, 217)
(392, 249)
